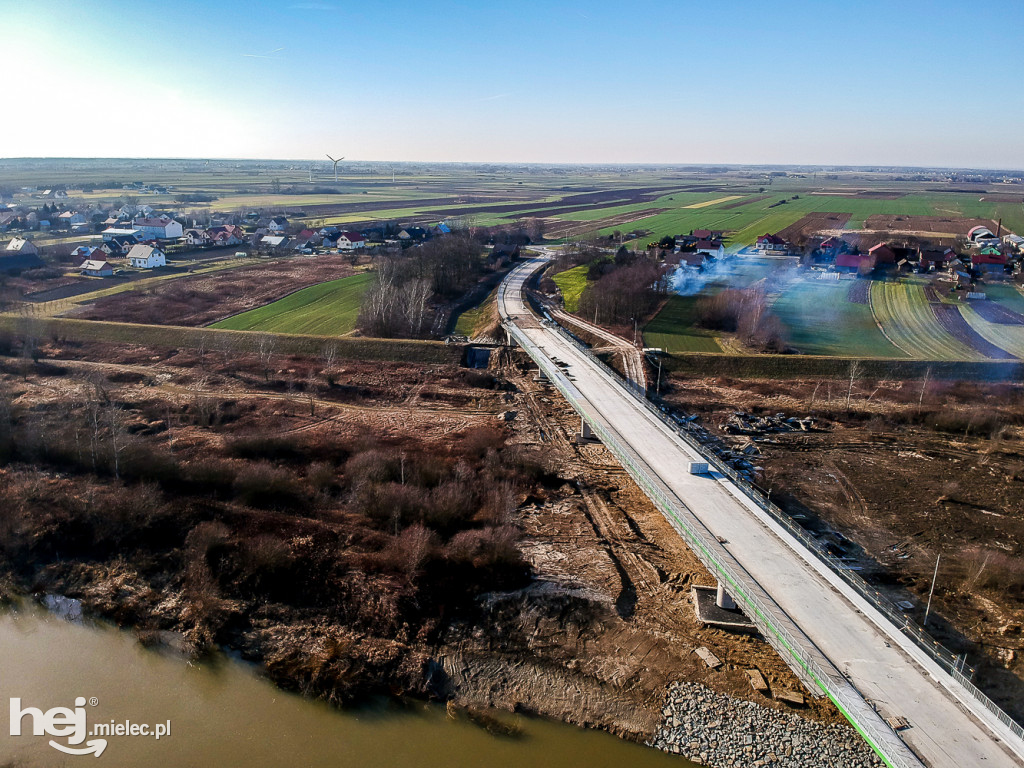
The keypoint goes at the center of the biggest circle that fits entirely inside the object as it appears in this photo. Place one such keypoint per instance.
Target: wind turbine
(335, 166)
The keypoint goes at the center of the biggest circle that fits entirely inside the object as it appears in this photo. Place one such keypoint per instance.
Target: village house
(162, 228)
(710, 248)
(96, 268)
(279, 224)
(119, 245)
(197, 238)
(83, 252)
(146, 257)
(412, 233)
(350, 241)
(768, 244)
(936, 258)
(70, 218)
(22, 246)
(707, 234)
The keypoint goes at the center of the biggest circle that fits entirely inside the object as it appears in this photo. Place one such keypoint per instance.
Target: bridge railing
(785, 637)
(952, 663)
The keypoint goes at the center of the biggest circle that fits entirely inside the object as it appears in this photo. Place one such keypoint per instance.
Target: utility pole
(935, 575)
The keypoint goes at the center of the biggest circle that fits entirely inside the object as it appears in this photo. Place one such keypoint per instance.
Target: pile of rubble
(739, 457)
(741, 423)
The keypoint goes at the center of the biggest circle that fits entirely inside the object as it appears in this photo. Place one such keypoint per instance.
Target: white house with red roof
(349, 241)
(769, 244)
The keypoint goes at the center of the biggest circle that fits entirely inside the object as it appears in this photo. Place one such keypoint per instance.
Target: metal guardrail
(777, 635)
(947, 659)
(768, 618)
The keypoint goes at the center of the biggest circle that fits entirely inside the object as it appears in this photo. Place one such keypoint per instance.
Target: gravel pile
(719, 731)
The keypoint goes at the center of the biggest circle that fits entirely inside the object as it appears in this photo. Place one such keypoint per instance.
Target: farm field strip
(709, 203)
(908, 319)
(1008, 337)
(327, 309)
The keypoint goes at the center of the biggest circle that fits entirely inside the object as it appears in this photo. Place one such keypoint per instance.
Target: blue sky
(789, 81)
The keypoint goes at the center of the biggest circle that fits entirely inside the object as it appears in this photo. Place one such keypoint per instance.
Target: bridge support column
(724, 599)
(585, 431)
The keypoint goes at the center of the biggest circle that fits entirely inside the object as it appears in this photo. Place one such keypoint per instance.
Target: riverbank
(358, 530)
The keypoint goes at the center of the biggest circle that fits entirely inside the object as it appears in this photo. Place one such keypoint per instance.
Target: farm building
(96, 268)
(707, 234)
(146, 257)
(982, 236)
(83, 252)
(882, 254)
(989, 259)
(163, 228)
(349, 241)
(274, 241)
(771, 244)
(854, 262)
(111, 232)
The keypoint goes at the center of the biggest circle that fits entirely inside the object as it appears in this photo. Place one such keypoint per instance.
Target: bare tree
(924, 387)
(855, 371)
(329, 354)
(265, 344)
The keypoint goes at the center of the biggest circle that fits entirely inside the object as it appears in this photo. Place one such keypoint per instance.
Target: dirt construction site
(606, 623)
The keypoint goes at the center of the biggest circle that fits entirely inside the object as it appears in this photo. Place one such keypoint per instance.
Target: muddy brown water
(222, 713)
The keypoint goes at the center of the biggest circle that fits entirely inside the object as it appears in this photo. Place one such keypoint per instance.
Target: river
(223, 714)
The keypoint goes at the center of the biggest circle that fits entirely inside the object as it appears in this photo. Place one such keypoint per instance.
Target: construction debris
(708, 657)
(757, 681)
(788, 696)
(741, 423)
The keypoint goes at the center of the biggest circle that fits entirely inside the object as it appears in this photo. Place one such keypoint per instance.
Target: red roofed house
(771, 244)
(349, 241)
(882, 254)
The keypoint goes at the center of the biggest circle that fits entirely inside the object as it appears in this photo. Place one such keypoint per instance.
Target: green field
(327, 309)
(674, 329)
(820, 320)
(571, 283)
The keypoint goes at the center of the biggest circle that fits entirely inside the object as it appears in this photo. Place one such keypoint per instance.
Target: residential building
(22, 246)
(96, 268)
(146, 257)
(350, 241)
(710, 248)
(769, 244)
(279, 224)
(162, 228)
(110, 233)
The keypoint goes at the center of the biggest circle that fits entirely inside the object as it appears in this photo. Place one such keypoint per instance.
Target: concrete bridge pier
(585, 431)
(724, 599)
